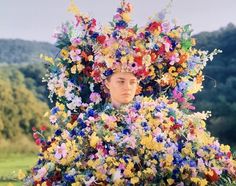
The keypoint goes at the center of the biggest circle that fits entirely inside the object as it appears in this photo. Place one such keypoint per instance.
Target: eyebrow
(120, 78)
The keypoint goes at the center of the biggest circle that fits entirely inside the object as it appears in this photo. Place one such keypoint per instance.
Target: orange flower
(199, 79)
(138, 90)
(183, 58)
(84, 55)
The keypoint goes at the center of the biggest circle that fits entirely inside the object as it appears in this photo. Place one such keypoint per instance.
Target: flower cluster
(160, 54)
(152, 140)
(147, 141)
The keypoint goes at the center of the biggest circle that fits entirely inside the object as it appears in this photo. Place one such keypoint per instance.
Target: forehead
(124, 75)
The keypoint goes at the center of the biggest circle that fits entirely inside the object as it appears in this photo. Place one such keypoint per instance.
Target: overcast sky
(37, 19)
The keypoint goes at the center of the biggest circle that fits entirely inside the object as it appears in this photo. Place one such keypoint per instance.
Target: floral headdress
(160, 54)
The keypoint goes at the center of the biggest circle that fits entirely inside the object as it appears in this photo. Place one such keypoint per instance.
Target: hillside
(19, 51)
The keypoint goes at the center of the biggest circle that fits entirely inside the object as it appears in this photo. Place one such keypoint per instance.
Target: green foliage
(221, 100)
(20, 110)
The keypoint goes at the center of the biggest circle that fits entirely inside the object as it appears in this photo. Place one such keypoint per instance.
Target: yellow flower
(194, 88)
(60, 106)
(73, 8)
(169, 159)
(80, 67)
(94, 140)
(73, 69)
(90, 57)
(134, 180)
(126, 17)
(149, 143)
(225, 148)
(123, 59)
(147, 59)
(100, 175)
(21, 175)
(170, 181)
(64, 53)
(47, 59)
(193, 41)
(198, 181)
(148, 171)
(172, 71)
(76, 184)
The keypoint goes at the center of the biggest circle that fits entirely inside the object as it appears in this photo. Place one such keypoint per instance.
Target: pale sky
(37, 19)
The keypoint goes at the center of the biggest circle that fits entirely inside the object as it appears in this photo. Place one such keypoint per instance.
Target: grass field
(10, 164)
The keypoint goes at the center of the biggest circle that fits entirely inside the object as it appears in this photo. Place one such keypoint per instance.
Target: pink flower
(61, 151)
(41, 173)
(95, 97)
(53, 119)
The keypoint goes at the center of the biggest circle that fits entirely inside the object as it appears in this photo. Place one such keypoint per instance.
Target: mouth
(126, 94)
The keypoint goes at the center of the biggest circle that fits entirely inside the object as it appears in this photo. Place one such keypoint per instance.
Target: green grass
(10, 164)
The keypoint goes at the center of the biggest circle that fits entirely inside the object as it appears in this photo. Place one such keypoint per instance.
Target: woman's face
(122, 87)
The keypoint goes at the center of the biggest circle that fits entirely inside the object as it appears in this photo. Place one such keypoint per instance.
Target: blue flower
(94, 35)
(118, 54)
(159, 138)
(91, 113)
(147, 34)
(69, 178)
(108, 72)
(126, 158)
(145, 126)
(192, 163)
(81, 123)
(173, 44)
(115, 34)
(58, 132)
(126, 131)
(78, 158)
(137, 105)
(54, 110)
(121, 24)
(156, 47)
(81, 133)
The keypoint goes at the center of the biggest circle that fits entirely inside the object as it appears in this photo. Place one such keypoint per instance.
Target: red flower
(138, 60)
(153, 56)
(87, 70)
(34, 129)
(43, 128)
(35, 135)
(38, 141)
(214, 177)
(229, 154)
(101, 39)
(176, 126)
(172, 119)
(154, 26)
(73, 118)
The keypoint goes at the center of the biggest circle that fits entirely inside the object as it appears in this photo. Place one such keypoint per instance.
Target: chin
(126, 101)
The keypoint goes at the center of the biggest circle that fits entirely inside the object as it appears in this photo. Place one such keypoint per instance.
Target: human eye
(133, 82)
(120, 81)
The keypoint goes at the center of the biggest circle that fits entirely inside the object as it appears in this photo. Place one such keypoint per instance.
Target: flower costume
(155, 140)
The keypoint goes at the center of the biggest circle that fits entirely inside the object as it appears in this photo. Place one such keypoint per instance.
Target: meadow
(10, 164)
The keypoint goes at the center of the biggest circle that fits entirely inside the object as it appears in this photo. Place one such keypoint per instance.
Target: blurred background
(26, 29)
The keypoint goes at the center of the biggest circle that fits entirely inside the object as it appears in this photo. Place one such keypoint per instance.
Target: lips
(126, 94)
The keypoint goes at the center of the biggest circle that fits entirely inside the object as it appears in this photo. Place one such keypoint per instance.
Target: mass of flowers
(155, 140)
